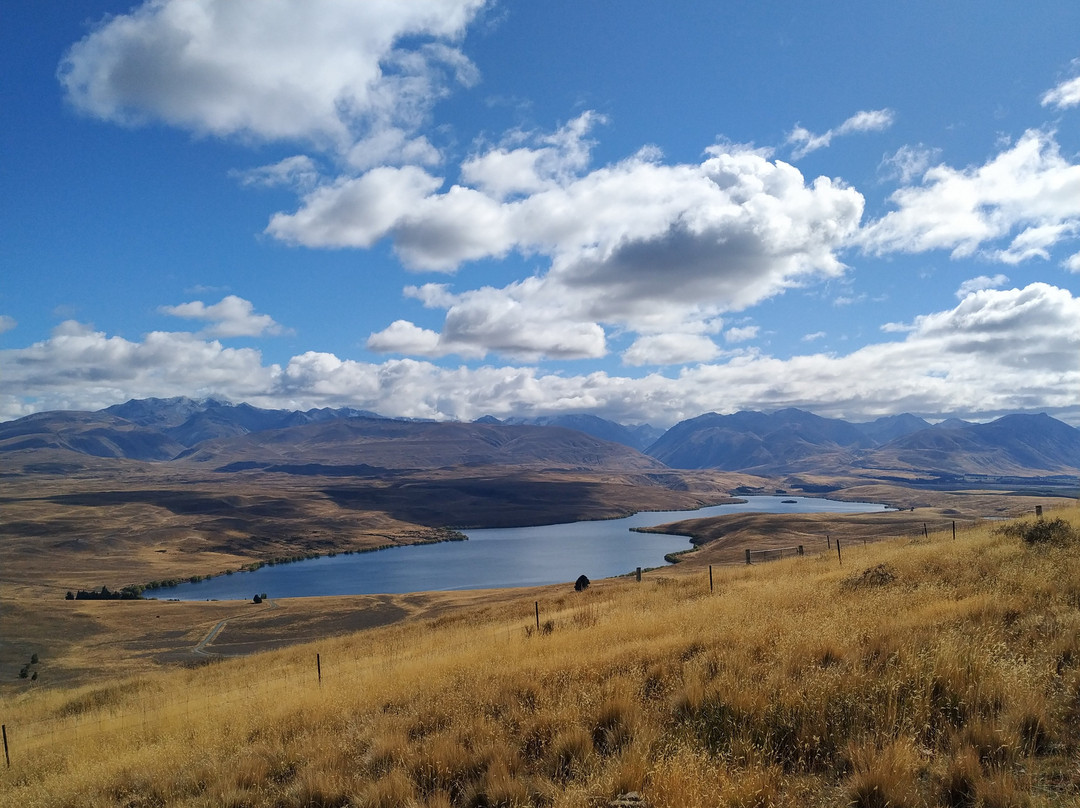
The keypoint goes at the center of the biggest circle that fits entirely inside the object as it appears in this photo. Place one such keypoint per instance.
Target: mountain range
(232, 437)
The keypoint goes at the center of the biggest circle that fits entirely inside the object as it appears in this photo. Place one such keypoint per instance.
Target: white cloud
(1036, 242)
(1064, 95)
(814, 336)
(908, 163)
(7, 323)
(329, 71)
(355, 212)
(548, 162)
(805, 141)
(1028, 189)
(80, 368)
(996, 351)
(978, 284)
(298, 171)
(232, 317)
(401, 336)
(670, 349)
(741, 333)
(523, 321)
(637, 244)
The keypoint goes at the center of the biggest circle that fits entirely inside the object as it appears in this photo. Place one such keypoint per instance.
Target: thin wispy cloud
(804, 141)
(1064, 95)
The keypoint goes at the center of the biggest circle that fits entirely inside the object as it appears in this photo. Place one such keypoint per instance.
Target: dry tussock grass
(938, 673)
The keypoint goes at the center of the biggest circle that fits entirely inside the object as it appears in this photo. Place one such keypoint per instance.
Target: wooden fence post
(800, 549)
(710, 578)
(537, 604)
(828, 541)
(7, 757)
(924, 533)
(838, 556)
(954, 530)
(748, 555)
(639, 574)
(318, 668)
(1038, 511)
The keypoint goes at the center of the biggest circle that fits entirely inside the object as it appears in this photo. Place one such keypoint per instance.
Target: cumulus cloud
(334, 72)
(1028, 191)
(79, 367)
(996, 351)
(401, 336)
(805, 141)
(530, 162)
(522, 321)
(637, 244)
(741, 333)
(231, 317)
(978, 284)
(670, 349)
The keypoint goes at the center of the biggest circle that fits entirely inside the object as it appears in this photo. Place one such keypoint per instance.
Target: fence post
(639, 574)
(748, 555)
(828, 541)
(318, 668)
(710, 578)
(1038, 511)
(7, 757)
(924, 533)
(800, 549)
(838, 556)
(537, 605)
(954, 530)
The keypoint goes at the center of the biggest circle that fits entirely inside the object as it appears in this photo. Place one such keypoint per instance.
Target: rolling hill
(351, 442)
(792, 441)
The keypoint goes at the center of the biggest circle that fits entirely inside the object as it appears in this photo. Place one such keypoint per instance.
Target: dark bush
(1042, 531)
(581, 584)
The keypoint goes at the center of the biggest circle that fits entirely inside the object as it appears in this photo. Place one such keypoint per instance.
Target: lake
(493, 558)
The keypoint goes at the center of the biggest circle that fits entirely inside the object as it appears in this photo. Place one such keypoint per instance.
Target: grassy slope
(950, 676)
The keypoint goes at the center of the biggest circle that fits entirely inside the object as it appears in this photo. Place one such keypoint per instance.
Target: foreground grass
(921, 673)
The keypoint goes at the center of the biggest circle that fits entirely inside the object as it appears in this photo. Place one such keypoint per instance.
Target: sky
(455, 208)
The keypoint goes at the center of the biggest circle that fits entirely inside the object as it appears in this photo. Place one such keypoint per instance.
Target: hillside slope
(937, 673)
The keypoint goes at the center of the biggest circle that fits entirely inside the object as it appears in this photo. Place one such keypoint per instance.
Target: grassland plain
(922, 672)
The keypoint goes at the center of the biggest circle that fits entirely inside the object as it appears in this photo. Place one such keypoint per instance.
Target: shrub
(1042, 531)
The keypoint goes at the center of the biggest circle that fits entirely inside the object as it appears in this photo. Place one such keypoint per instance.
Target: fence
(773, 554)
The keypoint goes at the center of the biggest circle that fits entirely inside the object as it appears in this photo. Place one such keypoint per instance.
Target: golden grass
(948, 676)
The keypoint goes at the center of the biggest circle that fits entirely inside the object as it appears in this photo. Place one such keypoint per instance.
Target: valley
(166, 490)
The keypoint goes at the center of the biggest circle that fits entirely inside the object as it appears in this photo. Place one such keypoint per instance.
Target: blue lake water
(493, 558)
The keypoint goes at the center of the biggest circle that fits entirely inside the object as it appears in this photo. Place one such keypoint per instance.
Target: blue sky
(451, 208)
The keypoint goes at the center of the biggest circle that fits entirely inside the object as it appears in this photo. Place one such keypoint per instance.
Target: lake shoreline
(504, 558)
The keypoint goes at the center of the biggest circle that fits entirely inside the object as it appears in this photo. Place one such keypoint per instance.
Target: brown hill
(354, 444)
